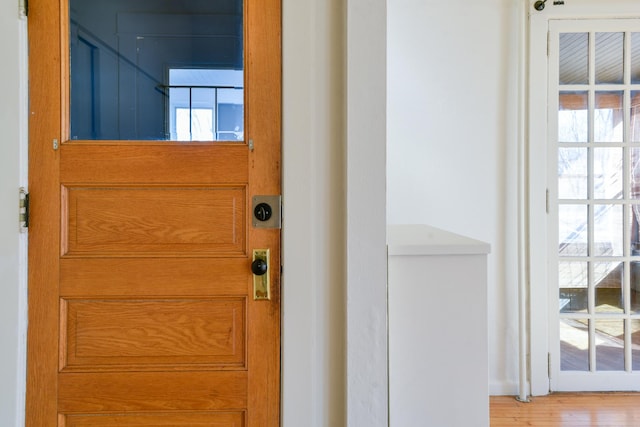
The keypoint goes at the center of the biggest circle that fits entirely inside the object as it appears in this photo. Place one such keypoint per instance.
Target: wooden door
(141, 299)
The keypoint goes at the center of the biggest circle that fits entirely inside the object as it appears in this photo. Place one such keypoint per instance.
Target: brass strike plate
(261, 283)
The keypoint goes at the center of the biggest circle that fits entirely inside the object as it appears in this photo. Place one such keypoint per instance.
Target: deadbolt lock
(267, 211)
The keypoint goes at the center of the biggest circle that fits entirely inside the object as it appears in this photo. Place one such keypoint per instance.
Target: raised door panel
(168, 419)
(147, 220)
(142, 277)
(179, 164)
(148, 334)
(151, 391)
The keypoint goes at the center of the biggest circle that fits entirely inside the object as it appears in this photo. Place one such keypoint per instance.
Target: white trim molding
(367, 378)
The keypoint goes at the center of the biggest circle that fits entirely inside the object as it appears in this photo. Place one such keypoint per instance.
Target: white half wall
(452, 142)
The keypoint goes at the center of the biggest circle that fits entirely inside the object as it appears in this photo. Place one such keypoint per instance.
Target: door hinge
(23, 8)
(549, 365)
(23, 209)
(548, 42)
(546, 201)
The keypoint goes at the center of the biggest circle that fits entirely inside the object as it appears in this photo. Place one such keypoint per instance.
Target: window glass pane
(633, 230)
(194, 124)
(225, 101)
(183, 124)
(634, 154)
(607, 230)
(180, 100)
(573, 280)
(608, 117)
(572, 230)
(635, 341)
(635, 287)
(609, 345)
(635, 57)
(609, 57)
(574, 344)
(572, 173)
(574, 56)
(202, 113)
(635, 116)
(137, 69)
(573, 117)
(607, 280)
(607, 173)
(230, 116)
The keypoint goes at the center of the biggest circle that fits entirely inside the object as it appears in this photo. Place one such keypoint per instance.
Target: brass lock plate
(261, 283)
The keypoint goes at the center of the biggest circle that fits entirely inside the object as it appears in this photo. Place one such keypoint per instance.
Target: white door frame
(540, 299)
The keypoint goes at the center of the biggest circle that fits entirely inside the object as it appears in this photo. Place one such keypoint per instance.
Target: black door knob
(259, 267)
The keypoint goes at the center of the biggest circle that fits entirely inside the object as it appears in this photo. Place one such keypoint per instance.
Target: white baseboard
(503, 388)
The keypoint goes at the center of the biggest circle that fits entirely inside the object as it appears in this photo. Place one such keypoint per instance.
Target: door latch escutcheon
(267, 211)
(260, 269)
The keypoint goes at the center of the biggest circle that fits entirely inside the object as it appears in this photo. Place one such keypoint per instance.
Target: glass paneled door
(594, 204)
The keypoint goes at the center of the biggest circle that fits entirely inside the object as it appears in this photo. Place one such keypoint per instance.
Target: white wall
(452, 142)
(334, 319)
(367, 378)
(11, 291)
(314, 307)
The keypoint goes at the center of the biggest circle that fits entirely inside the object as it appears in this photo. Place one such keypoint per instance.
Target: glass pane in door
(608, 179)
(607, 116)
(635, 341)
(635, 57)
(607, 230)
(574, 286)
(634, 299)
(573, 231)
(574, 54)
(609, 279)
(156, 70)
(573, 116)
(572, 173)
(609, 57)
(574, 344)
(635, 116)
(609, 341)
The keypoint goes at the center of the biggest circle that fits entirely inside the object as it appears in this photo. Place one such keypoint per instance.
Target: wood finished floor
(568, 410)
